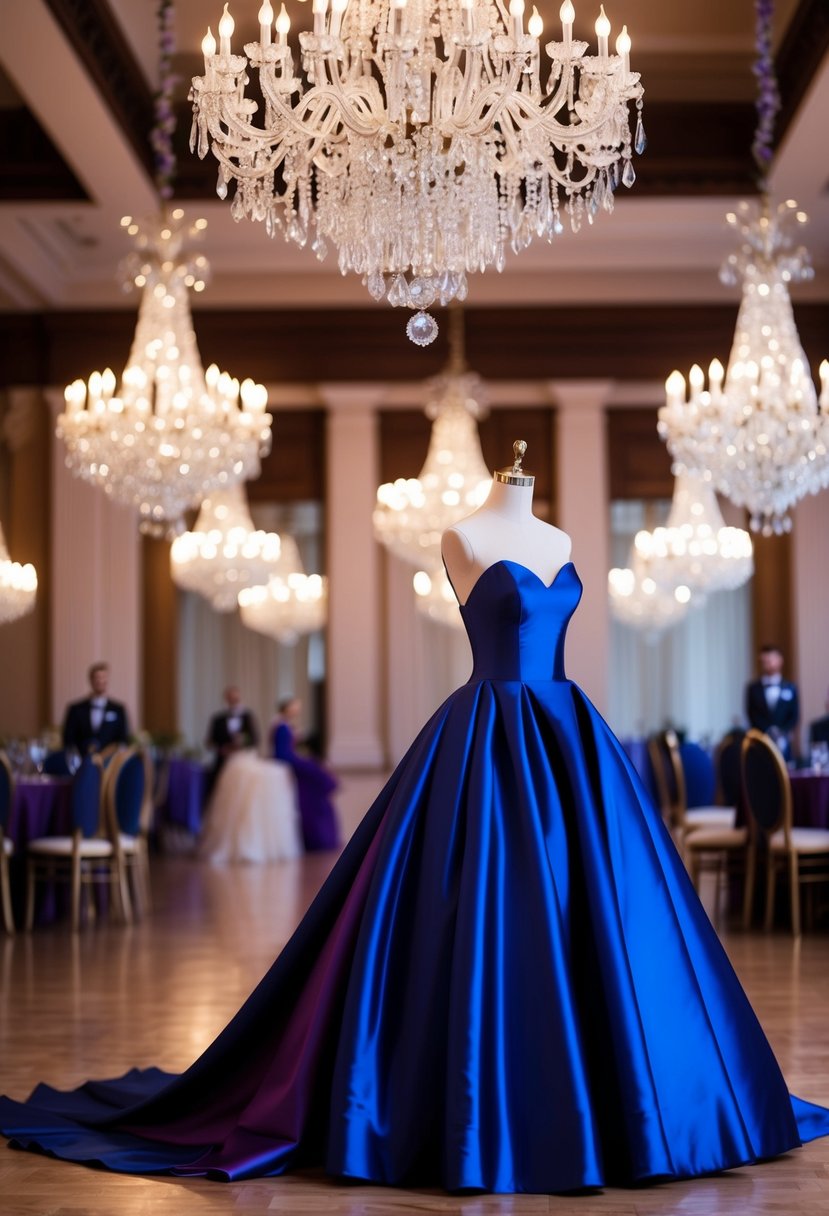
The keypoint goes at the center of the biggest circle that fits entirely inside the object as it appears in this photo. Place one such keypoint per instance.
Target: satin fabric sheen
(507, 983)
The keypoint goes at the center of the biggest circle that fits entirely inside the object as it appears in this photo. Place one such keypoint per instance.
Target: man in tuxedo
(95, 722)
(233, 728)
(772, 703)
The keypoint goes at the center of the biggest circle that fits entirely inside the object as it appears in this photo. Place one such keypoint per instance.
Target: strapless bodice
(517, 624)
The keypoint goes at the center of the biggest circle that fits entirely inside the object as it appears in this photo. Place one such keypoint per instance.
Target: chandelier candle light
(695, 549)
(758, 433)
(637, 601)
(435, 598)
(224, 553)
(419, 137)
(18, 586)
(291, 604)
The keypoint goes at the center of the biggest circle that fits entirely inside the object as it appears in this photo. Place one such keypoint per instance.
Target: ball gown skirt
(507, 982)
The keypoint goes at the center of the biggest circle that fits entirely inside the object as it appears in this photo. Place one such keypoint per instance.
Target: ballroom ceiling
(75, 105)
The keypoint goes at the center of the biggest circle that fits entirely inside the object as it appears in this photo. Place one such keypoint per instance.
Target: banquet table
(40, 807)
(182, 805)
(810, 799)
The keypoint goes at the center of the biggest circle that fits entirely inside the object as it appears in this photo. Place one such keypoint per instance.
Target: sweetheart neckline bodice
(508, 561)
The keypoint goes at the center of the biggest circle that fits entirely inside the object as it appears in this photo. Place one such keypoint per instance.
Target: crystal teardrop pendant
(640, 141)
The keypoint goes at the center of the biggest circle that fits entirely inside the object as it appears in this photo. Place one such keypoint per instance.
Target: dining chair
(56, 764)
(727, 767)
(86, 858)
(126, 804)
(6, 845)
(707, 838)
(801, 853)
(700, 775)
(666, 759)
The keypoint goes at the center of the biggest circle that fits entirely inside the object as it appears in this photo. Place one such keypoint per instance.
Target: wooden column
(771, 596)
(159, 639)
(25, 494)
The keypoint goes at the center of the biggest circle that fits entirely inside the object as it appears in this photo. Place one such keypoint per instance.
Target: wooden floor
(157, 993)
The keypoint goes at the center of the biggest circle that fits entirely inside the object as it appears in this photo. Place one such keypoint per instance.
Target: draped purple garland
(768, 96)
(161, 135)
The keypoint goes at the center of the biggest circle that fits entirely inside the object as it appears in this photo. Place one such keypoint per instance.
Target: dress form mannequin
(504, 529)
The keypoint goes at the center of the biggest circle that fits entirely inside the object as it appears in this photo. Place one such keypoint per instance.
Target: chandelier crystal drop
(172, 432)
(695, 549)
(420, 138)
(224, 552)
(18, 586)
(637, 601)
(760, 435)
(292, 603)
(435, 598)
(412, 513)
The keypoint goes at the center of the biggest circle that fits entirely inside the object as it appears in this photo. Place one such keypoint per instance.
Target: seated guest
(819, 729)
(231, 729)
(771, 702)
(96, 722)
(314, 782)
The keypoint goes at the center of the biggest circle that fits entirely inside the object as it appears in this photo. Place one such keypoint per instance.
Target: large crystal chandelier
(435, 597)
(171, 433)
(291, 604)
(224, 552)
(637, 601)
(18, 586)
(695, 549)
(412, 513)
(758, 432)
(419, 137)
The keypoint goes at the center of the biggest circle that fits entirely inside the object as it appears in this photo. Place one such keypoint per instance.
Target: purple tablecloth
(40, 807)
(810, 799)
(183, 805)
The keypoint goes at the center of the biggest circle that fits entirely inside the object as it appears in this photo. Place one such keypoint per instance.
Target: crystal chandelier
(695, 549)
(435, 598)
(291, 604)
(412, 513)
(224, 553)
(18, 586)
(759, 435)
(418, 137)
(637, 601)
(171, 433)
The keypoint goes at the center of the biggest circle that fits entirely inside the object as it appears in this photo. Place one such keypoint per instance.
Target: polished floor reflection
(157, 993)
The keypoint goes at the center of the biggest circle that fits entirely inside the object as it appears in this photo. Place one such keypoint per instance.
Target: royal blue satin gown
(507, 982)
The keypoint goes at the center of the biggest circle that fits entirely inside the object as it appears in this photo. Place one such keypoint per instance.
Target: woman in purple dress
(315, 784)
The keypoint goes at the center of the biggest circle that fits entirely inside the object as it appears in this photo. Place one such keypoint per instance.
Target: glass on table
(819, 756)
(38, 752)
(17, 752)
